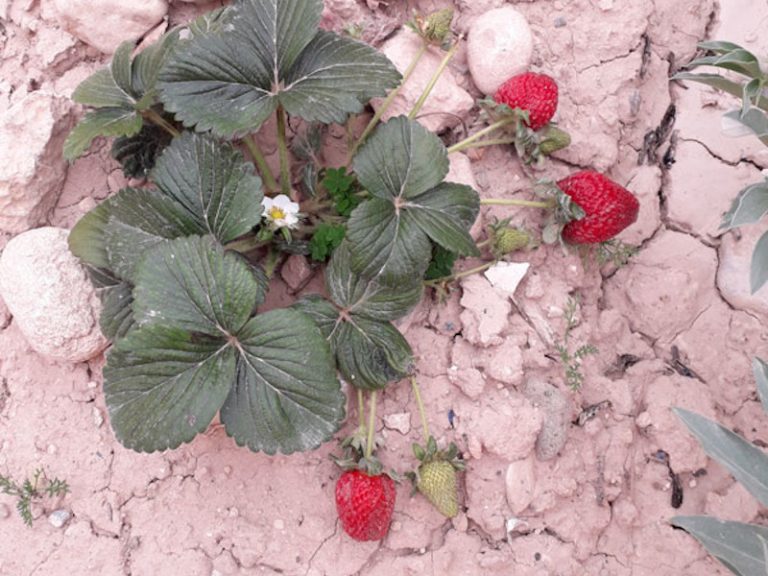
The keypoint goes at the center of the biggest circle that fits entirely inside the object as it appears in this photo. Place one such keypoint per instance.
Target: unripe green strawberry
(508, 240)
(437, 481)
(554, 139)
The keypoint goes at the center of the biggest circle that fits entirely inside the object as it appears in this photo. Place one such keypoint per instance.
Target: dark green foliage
(326, 239)
(441, 264)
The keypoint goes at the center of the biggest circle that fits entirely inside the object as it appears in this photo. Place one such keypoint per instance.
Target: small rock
(506, 276)
(486, 312)
(50, 296)
(58, 518)
(400, 422)
(5, 511)
(5, 315)
(500, 45)
(447, 103)
(734, 271)
(521, 485)
(104, 24)
(98, 418)
(556, 411)
(31, 175)
(295, 271)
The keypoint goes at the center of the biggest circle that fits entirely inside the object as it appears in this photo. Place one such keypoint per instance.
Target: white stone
(447, 103)
(734, 271)
(50, 296)
(500, 45)
(32, 169)
(506, 276)
(400, 422)
(520, 484)
(104, 24)
(58, 518)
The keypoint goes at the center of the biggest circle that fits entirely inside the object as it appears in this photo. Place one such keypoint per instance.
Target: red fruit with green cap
(533, 93)
(365, 504)
(608, 207)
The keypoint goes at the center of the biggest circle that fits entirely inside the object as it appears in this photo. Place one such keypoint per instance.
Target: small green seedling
(32, 490)
(572, 361)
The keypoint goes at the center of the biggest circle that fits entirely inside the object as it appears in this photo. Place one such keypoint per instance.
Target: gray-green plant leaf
(760, 370)
(163, 385)
(716, 81)
(402, 165)
(743, 548)
(372, 298)
(86, 239)
(719, 46)
(213, 183)
(271, 53)
(116, 318)
(754, 119)
(146, 67)
(747, 463)
(286, 396)
(193, 284)
(758, 274)
(100, 90)
(737, 60)
(101, 122)
(748, 207)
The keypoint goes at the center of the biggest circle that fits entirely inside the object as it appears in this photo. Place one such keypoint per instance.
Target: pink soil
(666, 337)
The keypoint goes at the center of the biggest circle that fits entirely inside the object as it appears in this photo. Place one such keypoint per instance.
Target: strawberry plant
(183, 261)
(747, 82)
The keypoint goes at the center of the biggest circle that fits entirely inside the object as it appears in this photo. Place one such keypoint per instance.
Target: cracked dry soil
(674, 327)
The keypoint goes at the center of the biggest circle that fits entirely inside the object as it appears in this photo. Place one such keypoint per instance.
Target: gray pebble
(556, 410)
(58, 518)
(560, 22)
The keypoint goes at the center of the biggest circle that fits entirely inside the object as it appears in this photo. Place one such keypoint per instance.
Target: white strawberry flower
(280, 211)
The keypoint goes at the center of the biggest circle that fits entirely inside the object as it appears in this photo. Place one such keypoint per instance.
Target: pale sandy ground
(602, 507)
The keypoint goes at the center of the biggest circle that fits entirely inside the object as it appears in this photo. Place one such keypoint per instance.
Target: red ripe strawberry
(365, 504)
(609, 208)
(535, 93)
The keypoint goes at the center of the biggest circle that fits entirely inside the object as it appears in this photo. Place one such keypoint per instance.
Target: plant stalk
(469, 141)
(420, 404)
(247, 244)
(261, 162)
(433, 81)
(458, 275)
(155, 118)
(360, 409)
(484, 143)
(282, 147)
(387, 102)
(511, 202)
(371, 426)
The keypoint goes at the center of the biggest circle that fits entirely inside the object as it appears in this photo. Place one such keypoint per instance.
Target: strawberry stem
(469, 141)
(158, 120)
(420, 404)
(261, 162)
(511, 202)
(490, 142)
(360, 409)
(282, 148)
(387, 102)
(458, 275)
(371, 426)
(435, 77)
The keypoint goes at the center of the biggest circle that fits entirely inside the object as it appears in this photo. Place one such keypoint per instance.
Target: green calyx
(553, 139)
(435, 28)
(505, 239)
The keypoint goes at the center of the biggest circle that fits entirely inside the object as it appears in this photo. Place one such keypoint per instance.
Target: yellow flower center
(276, 213)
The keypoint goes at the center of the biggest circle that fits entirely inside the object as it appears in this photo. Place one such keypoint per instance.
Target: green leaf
(120, 68)
(387, 242)
(719, 46)
(229, 80)
(760, 370)
(213, 184)
(748, 207)
(445, 214)
(743, 548)
(101, 91)
(163, 385)
(101, 122)
(325, 240)
(747, 463)
(116, 318)
(191, 283)
(87, 238)
(324, 314)
(341, 188)
(758, 274)
(212, 21)
(371, 354)
(147, 65)
(402, 165)
(754, 119)
(139, 219)
(401, 160)
(371, 298)
(441, 264)
(286, 397)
